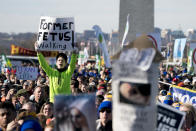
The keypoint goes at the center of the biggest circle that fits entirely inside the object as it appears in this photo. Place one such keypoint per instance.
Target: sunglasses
(105, 109)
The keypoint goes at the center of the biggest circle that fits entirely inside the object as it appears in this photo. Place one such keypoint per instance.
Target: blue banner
(183, 94)
(179, 48)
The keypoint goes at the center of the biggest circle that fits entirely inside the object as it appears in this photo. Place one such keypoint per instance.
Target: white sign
(26, 73)
(134, 96)
(143, 59)
(16, 63)
(81, 59)
(55, 34)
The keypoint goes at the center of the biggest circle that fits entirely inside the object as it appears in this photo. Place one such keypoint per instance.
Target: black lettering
(41, 45)
(46, 45)
(42, 21)
(54, 45)
(64, 47)
(49, 25)
(66, 38)
(45, 26)
(70, 23)
(58, 25)
(60, 46)
(45, 36)
(65, 26)
(53, 36)
(72, 39)
(60, 36)
(39, 35)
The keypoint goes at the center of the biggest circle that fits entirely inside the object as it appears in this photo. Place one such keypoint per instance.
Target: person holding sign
(61, 76)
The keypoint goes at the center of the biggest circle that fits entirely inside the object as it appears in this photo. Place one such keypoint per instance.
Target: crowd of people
(29, 104)
(177, 76)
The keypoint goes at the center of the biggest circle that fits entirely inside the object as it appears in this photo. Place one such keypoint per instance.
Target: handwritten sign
(26, 73)
(56, 34)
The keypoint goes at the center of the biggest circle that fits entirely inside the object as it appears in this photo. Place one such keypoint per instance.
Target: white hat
(186, 81)
(194, 80)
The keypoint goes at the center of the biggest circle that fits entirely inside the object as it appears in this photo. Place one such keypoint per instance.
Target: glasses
(105, 109)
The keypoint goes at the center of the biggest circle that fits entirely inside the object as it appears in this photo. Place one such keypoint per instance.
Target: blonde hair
(190, 108)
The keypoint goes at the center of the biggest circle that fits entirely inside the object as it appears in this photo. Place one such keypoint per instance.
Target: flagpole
(126, 32)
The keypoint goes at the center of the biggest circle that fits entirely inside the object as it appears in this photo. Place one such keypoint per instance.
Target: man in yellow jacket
(61, 76)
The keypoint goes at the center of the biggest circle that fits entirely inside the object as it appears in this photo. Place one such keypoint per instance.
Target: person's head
(83, 112)
(38, 92)
(61, 60)
(31, 84)
(3, 90)
(105, 112)
(99, 99)
(74, 85)
(42, 73)
(25, 85)
(41, 80)
(31, 125)
(78, 118)
(22, 95)
(14, 100)
(29, 106)
(190, 115)
(84, 86)
(1, 82)
(6, 114)
(47, 109)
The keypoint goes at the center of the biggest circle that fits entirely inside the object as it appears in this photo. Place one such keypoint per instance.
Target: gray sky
(23, 15)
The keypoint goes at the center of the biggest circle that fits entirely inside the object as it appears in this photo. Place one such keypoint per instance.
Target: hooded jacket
(59, 81)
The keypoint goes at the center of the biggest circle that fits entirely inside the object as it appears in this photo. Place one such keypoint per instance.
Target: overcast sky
(23, 15)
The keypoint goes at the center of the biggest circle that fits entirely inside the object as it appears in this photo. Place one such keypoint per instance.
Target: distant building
(89, 34)
(79, 37)
(114, 44)
(165, 36)
(191, 35)
(176, 34)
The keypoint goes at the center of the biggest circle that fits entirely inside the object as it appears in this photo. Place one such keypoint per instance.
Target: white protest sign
(81, 59)
(143, 59)
(134, 96)
(16, 63)
(56, 34)
(168, 118)
(26, 73)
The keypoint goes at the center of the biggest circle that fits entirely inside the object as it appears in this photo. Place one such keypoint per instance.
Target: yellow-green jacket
(59, 81)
